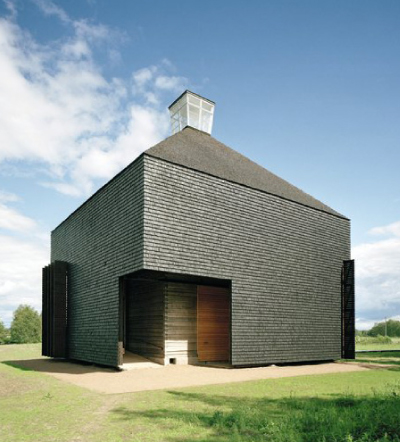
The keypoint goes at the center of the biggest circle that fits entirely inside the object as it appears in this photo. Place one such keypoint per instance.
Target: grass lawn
(352, 407)
(392, 358)
(394, 345)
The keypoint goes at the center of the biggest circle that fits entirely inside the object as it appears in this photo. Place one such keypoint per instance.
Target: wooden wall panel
(180, 322)
(348, 309)
(213, 323)
(145, 318)
(54, 310)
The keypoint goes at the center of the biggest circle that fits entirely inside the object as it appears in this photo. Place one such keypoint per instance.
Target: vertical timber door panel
(348, 319)
(54, 310)
(213, 323)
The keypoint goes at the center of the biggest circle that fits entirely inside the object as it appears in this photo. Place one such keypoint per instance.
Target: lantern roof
(193, 110)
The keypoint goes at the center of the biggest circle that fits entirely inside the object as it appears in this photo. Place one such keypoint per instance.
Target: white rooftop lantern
(191, 110)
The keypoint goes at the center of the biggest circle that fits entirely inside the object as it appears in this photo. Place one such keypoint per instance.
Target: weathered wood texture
(284, 260)
(348, 310)
(54, 310)
(145, 318)
(213, 323)
(101, 241)
(180, 321)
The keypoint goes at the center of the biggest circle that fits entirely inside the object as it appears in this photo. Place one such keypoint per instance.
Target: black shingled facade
(192, 206)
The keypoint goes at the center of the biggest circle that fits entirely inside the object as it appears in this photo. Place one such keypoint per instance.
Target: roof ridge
(202, 152)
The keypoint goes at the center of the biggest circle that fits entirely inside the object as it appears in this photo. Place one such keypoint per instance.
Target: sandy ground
(108, 381)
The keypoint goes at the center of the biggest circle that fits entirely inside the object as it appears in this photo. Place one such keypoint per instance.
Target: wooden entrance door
(213, 323)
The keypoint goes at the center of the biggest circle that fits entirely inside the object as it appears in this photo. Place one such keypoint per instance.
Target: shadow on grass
(225, 418)
(45, 365)
(392, 355)
(15, 364)
(375, 363)
(380, 354)
(388, 361)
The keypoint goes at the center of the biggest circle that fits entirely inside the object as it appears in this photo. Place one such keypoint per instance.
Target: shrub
(26, 326)
(390, 327)
(3, 333)
(373, 339)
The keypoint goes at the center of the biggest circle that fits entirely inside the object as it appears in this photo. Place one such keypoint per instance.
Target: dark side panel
(348, 310)
(54, 310)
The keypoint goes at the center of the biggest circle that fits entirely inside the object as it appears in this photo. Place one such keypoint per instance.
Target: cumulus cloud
(367, 324)
(11, 8)
(149, 81)
(378, 275)
(62, 114)
(6, 197)
(68, 126)
(10, 219)
(391, 229)
(20, 273)
(49, 8)
(22, 257)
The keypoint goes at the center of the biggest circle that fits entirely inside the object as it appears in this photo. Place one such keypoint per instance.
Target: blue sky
(308, 89)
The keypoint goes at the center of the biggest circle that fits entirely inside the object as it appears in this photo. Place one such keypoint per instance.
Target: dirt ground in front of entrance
(109, 381)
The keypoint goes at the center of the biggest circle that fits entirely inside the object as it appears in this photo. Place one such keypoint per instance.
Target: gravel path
(108, 381)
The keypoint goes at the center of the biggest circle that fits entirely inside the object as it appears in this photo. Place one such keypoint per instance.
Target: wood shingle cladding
(284, 260)
(199, 151)
(192, 206)
(101, 241)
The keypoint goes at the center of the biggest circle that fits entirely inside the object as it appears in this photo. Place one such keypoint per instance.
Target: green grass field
(394, 345)
(354, 407)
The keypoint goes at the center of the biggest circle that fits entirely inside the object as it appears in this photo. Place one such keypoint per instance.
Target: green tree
(391, 326)
(26, 326)
(3, 333)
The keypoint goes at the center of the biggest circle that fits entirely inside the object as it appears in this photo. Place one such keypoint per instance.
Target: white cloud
(20, 274)
(148, 82)
(6, 197)
(378, 275)
(11, 8)
(24, 251)
(66, 125)
(49, 8)
(367, 324)
(59, 112)
(10, 219)
(391, 229)
(143, 76)
(170, 83)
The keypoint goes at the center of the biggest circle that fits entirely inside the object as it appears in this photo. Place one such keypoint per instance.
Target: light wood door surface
(213, 323)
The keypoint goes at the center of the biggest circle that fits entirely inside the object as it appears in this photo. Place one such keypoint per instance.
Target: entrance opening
(176, 319)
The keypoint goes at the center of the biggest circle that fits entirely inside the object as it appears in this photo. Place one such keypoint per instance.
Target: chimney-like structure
(191, 110)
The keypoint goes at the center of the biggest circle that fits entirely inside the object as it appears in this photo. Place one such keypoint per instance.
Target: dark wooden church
(194, 253)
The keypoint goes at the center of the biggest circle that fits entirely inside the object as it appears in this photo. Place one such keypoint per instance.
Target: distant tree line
(389, 328)
(26, 327)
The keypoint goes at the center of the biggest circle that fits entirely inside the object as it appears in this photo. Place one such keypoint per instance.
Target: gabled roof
(199, 151)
